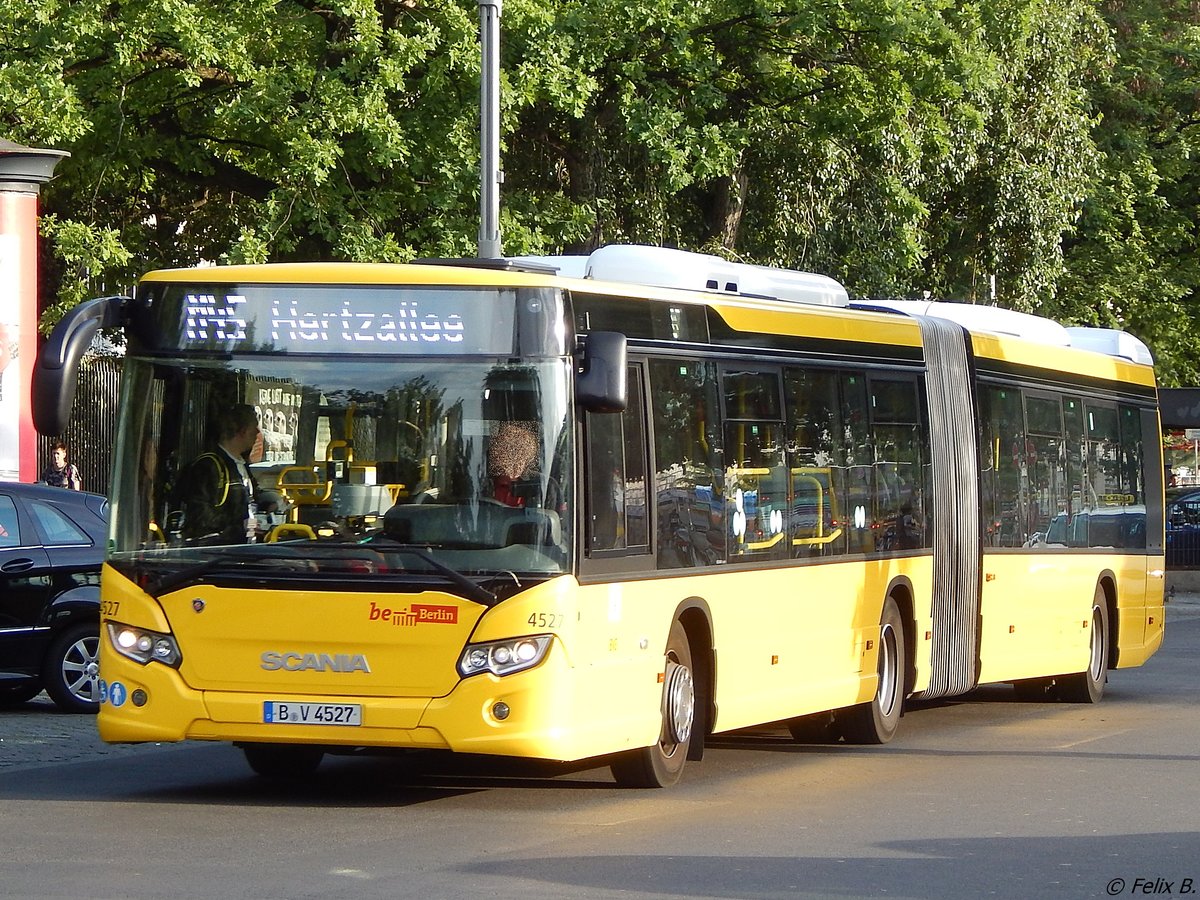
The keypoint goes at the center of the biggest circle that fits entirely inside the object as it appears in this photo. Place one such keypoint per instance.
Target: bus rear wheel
(876, 722)
(1033, 689)
(816, 728)
(283, 760)
(661, 764)
(1088, 686)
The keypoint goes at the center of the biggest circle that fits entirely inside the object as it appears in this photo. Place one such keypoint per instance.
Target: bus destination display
(326, 320)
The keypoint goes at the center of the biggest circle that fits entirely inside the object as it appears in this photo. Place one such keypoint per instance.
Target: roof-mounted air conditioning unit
(670, 268)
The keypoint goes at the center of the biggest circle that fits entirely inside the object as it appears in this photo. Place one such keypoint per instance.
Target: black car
(51, 549)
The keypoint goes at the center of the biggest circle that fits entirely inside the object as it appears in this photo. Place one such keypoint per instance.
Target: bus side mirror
(56, 371)
(600, 384)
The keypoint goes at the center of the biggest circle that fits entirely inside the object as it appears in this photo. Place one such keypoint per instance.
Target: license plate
(284, 712)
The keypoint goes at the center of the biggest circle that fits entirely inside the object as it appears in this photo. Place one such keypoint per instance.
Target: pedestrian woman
(61, 473)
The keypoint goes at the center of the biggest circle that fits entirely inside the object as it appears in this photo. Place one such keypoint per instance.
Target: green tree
(1133, 260)
(900, 145)
(240, 132)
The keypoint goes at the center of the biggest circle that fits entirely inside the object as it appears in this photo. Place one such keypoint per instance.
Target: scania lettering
(317, 662)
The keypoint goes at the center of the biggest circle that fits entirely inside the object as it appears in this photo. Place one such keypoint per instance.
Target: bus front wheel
(876, 722)
(1088, 686)
(661, 764)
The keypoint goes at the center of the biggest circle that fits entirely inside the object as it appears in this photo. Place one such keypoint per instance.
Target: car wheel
(71, 672)
(15, 694)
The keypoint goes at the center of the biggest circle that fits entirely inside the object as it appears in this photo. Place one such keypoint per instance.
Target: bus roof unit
(667, 267)
(990, 319)
(1112, 341)
(995, 320)
(671, 268)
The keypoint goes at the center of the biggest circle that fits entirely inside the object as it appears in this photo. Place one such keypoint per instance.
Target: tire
(661, 764)
(817, 728)
(15, 694)
(1033, 690)
(283, 760)
(877, 721)
(1088, 686)
(71, 672)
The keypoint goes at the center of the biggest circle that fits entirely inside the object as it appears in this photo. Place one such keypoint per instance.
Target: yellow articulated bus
(602, 507)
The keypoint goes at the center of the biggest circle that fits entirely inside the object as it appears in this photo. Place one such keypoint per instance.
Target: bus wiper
(471, 589)
(167, 583)
(238, 554)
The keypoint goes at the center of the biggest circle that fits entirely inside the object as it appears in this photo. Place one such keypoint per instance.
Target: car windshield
(384, 469)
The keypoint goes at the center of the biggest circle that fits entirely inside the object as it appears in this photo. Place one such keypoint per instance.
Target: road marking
(1098, 737)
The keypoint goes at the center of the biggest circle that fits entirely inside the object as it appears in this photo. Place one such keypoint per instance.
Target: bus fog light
(501, 711)
(138, 697)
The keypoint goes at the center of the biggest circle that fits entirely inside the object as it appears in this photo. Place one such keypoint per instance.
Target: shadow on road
(997, 867)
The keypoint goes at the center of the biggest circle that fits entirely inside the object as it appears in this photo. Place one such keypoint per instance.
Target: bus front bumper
(524, 714)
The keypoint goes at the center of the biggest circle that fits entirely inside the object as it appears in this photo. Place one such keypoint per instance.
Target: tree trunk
(727, 202)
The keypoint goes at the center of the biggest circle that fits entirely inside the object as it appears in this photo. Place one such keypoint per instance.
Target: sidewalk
(1182, 604)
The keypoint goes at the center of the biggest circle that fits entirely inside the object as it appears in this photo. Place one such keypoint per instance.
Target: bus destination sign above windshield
(318, 319)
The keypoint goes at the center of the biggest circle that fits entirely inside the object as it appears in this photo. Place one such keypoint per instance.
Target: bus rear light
(503, 657)
(144, 646)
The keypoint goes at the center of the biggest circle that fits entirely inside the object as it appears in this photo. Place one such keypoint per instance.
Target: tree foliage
(1133, 259)
(1031, 152)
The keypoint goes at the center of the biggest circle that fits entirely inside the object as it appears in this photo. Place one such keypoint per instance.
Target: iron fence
(92, 428)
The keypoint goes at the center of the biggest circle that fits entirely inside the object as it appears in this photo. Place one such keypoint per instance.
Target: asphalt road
(981, 796)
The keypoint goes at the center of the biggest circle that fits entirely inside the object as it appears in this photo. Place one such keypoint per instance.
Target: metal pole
(490, 176)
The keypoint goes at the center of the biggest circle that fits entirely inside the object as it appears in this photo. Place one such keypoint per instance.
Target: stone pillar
(23, 170)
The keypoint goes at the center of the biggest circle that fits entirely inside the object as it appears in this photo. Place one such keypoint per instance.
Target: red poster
(18, 334)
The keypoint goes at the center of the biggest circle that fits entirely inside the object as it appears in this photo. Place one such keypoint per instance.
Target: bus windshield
(386, 469)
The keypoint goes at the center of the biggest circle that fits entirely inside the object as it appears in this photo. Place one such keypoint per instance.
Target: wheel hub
(680, 698)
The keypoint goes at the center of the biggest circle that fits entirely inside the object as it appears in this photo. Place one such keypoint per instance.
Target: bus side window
(1005, 454)
(689, 477)
(616, 474)
(1050, 501)
(859, 467)
(756, 478)
(816, 460)
(901, 448)
(1132, 481)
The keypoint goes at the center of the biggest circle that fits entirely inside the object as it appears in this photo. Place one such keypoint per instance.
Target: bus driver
(219, 493)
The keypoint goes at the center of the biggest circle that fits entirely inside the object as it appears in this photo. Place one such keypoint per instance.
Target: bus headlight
(504, 657)
(144, 646)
